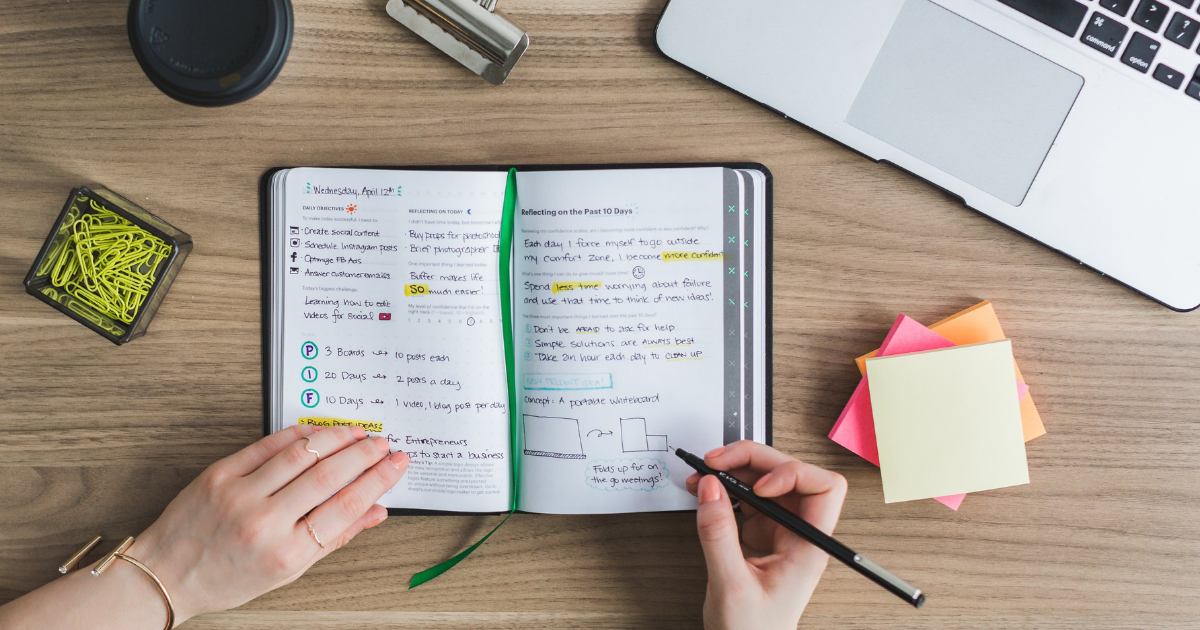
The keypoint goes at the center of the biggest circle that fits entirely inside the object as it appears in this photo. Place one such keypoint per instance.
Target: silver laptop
(1075, 123)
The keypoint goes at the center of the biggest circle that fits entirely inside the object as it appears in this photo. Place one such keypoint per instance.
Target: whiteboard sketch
(553, 437)
(634, 438)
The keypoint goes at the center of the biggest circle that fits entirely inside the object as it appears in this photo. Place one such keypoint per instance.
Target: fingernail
(359, 433)
(715, 452)
(399, 459)
(382, 443)
(710, 492)
(379, 519)
(315, 429)
(762, 481)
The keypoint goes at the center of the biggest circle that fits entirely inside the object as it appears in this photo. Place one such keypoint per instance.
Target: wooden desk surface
(98, 439)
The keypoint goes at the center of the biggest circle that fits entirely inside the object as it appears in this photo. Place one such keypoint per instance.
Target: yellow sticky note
(979, 324)
(947, 421)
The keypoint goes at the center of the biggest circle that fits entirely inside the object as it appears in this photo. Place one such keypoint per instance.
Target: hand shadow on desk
(603, 571)
(647, 569)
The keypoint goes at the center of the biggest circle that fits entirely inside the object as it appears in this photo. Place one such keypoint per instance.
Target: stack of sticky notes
(942, 410)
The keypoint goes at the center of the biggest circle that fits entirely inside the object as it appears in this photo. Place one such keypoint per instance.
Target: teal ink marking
(310, 398)
(309, 350)
(567, 382)
(309, 374)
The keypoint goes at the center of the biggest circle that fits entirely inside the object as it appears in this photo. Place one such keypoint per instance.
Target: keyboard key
(1120, 7)
(1183, 30)
(1064, 16)
(1187, 4)
(1170, 76)
(1104, 34)
(1151, 14)
(1193, 88)
(1140, 53)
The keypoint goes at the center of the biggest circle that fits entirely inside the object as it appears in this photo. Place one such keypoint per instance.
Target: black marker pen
(805, 530)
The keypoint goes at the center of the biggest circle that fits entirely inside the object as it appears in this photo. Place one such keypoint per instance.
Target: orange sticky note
(979, 324)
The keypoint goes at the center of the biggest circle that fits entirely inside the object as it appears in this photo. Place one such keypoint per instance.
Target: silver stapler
(470, 31)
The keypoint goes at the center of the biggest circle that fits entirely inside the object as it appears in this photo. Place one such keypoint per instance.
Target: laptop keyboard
(1132, 31)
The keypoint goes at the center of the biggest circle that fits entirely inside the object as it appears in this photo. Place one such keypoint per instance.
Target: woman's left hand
(239, 530)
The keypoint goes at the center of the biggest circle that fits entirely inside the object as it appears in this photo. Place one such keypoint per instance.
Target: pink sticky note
(908, 335)
(855, 427)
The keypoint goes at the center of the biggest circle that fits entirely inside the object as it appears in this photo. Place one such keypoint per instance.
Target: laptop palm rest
(965, 100)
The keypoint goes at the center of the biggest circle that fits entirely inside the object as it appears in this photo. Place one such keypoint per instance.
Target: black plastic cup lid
(211, 52)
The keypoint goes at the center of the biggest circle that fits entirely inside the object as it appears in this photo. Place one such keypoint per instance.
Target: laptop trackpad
(965, 100)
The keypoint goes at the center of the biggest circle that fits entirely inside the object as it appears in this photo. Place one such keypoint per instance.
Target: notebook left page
(387, 314)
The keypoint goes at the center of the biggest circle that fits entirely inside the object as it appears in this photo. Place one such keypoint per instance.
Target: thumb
(719, 534)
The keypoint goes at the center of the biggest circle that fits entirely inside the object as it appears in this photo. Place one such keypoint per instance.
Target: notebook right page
(635, 316)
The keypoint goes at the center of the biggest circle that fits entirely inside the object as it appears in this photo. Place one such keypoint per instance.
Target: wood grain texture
(98, 439)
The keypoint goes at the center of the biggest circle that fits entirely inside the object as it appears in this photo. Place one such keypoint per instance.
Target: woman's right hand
(763, 580)
(238, 530)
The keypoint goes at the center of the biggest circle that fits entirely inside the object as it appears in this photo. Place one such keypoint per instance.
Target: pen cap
(211, 52)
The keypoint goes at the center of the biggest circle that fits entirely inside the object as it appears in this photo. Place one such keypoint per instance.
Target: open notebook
(640, 310)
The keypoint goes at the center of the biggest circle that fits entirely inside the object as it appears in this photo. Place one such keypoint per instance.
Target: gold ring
(312, 532)
(307, 443)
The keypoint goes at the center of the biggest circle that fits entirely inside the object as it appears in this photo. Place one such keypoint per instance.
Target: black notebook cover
(264, 222)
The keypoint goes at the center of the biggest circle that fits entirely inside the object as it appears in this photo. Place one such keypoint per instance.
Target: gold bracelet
(119, 554)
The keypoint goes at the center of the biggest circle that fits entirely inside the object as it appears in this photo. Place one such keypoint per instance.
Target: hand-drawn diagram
(553, 437)
(634, 438)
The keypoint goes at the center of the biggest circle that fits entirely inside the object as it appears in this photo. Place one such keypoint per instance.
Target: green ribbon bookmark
(506, 238)
(432, 572)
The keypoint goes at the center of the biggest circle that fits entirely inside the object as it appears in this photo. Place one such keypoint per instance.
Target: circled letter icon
(309, 374)
(309, 350)
(309, 398)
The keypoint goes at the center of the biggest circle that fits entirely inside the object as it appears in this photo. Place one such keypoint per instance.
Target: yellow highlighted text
(571, 286)
(416, 289)
(370, 427)
(691, 256)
